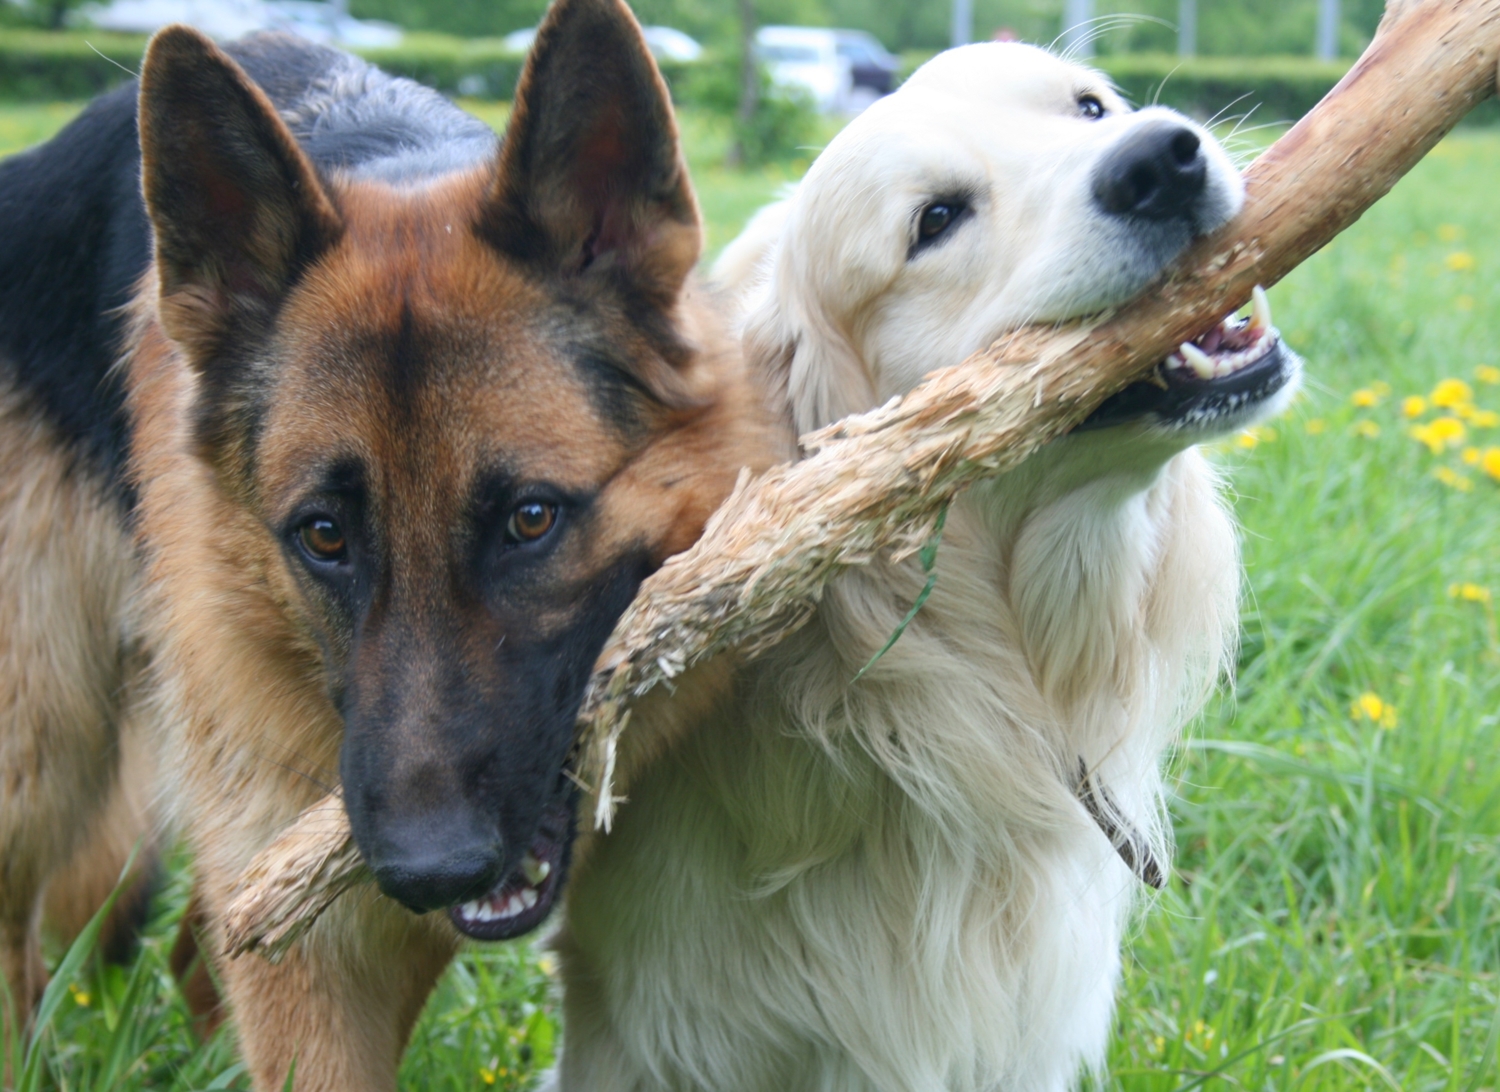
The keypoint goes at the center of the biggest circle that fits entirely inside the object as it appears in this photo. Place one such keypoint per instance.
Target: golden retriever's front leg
(342, 1004)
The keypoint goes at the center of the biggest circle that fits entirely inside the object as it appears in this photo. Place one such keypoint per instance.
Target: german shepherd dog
(339, 437)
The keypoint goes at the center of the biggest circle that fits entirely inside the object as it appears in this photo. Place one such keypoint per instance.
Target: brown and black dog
(404, 416)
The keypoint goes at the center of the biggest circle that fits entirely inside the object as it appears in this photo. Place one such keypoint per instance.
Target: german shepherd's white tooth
(470, 910)
(1201, 363)
(528, 897)
(1260, 310)
(536, 871)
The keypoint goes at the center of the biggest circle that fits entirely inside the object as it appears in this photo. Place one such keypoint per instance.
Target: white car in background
(315, 20)
(665, 43)
(806, 59)
(843, 70)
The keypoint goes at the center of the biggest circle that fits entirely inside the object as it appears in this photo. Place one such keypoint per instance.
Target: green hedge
(1269, 89)
(1280, 89)
(37, 65)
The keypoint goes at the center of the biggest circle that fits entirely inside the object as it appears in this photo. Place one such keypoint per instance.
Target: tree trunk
(749, 84)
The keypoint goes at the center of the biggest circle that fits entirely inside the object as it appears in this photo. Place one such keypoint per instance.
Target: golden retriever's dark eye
(1090, 107)
(530, 521)
(322, 540)
(936, 219)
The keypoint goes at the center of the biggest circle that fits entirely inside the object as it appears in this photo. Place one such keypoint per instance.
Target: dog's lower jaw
(894, 885)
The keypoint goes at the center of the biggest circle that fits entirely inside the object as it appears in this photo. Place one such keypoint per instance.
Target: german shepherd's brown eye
(323, 540)
(935, 219)
(1090, 107)
(530, 521)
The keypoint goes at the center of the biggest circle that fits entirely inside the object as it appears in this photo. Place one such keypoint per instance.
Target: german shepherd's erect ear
(591, 177)
(237, 208)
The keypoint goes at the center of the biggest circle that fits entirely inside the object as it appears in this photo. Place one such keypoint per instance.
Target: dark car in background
(870, 66)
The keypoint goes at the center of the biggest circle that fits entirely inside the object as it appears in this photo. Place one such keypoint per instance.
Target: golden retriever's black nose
(1156, 172)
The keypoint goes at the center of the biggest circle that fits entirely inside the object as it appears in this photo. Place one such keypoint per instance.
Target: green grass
(1333, 922)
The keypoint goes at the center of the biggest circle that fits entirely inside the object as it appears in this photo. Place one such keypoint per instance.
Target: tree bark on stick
(876, 482)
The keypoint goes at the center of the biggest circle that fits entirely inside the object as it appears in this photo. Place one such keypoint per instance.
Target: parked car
(806, 59)
(222, 19)
(870, 64)
(665, 43)
(843, 70)
(323, 22)
(314, 20)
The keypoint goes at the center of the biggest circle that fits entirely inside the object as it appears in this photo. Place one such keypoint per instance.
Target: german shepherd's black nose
(437, 863)
(1157, 172)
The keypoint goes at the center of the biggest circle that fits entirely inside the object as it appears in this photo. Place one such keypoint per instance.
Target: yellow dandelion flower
(1368, 429)
(1160, 1044)
(1450, 477)
(1414, 405)
(1490, 462)
(1487, 373)
(1484, 418)
(1448, 430)
(1371, 707)
(487, 1075)
(1460, 261)
(1471, 456)
(80, 997)
(1464, 411)
(1364, 398)
(1450, 392)
(1256, 434)
(1450, 233)
(1316, 426)
(547, 965)
(1469, 593)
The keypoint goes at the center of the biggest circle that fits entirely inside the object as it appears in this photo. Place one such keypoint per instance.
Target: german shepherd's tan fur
(343, 388)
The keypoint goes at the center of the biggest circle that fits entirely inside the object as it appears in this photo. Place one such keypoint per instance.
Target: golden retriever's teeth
(1260, 310)
(536, 871)
(1201, 363)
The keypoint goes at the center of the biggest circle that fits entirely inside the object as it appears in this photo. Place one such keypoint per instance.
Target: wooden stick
(876, 482)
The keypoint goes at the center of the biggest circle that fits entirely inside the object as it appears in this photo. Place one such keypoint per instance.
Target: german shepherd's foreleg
(121, 827)
(342, 1003)
(66, 573)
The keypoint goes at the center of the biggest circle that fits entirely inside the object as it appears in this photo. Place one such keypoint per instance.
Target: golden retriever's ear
(590, 174)
(807, 356)
(236, 207)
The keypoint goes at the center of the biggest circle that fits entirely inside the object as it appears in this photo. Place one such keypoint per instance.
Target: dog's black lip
(552, 844)
(1181, 398)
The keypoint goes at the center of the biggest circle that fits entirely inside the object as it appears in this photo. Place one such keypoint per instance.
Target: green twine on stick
(928, 558)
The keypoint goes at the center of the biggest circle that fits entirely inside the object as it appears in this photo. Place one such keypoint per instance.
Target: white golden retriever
(909, 882)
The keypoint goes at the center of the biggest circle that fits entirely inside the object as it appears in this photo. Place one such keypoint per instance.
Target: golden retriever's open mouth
(521, 901)
(1215, 382)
